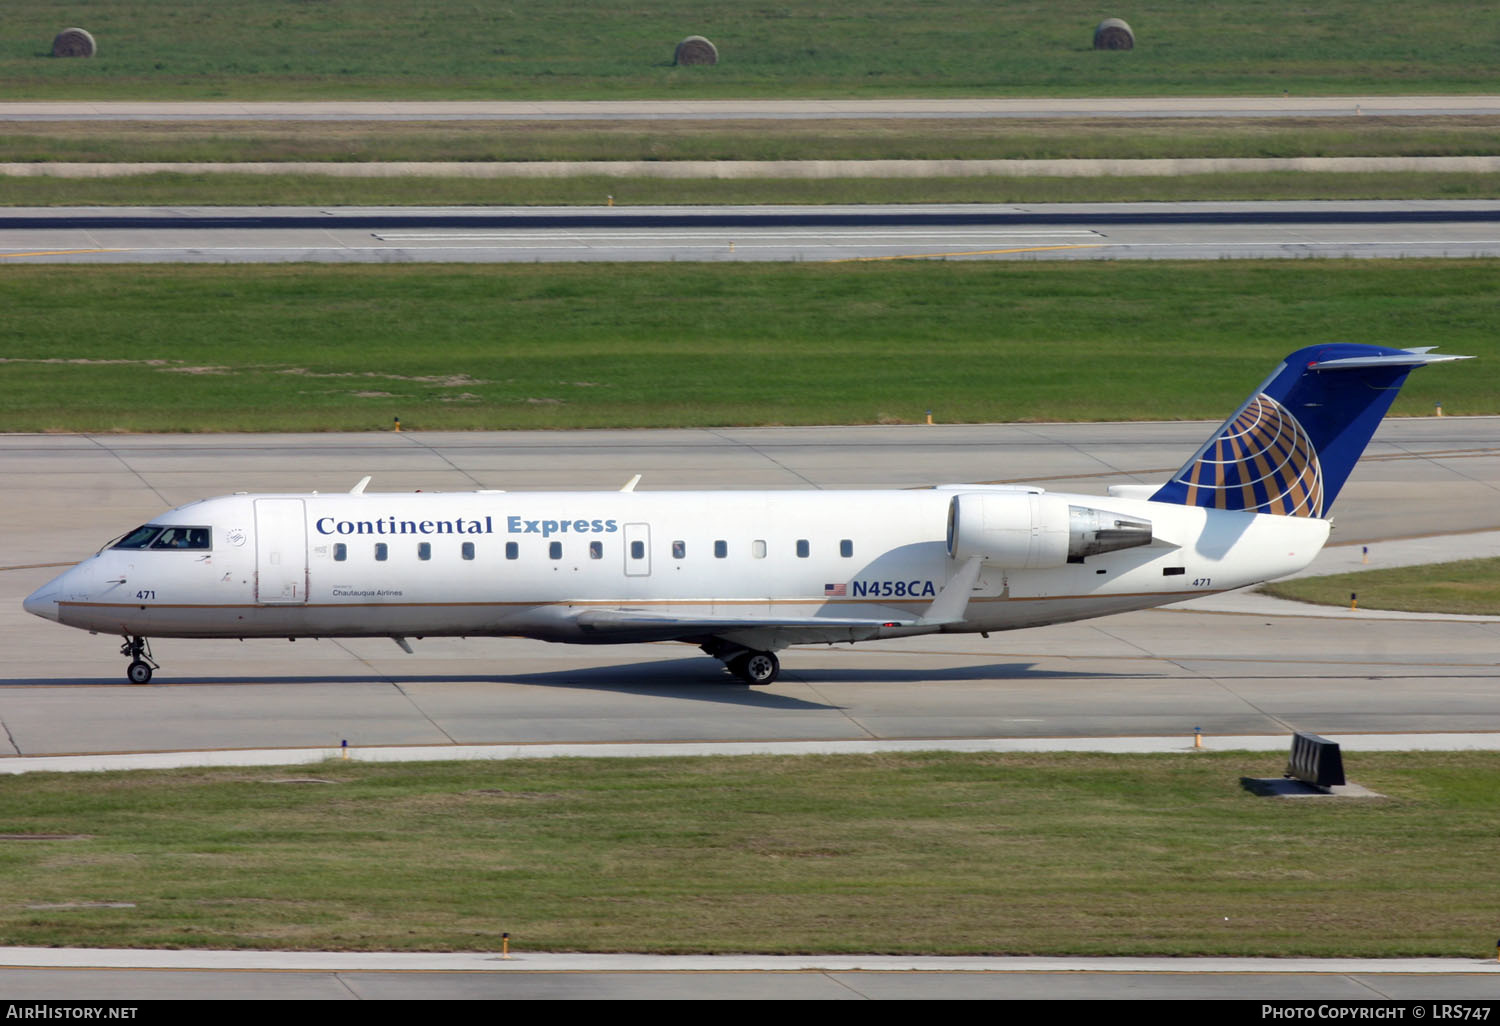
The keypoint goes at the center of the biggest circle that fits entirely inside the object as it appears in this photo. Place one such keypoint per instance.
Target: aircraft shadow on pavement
(952, 674)
(696, 678)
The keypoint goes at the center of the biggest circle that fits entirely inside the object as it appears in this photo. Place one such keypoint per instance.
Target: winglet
(359, 489)
(951, 602)
(630, 485)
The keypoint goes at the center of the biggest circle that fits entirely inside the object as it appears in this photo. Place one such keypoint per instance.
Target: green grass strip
(456, 49)
(338, 348)
(233, 189)
(915, 853)
(1470, 586)
(747, 139)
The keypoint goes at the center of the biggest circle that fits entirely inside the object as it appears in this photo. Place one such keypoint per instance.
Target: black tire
(759, 668)
(139, 672)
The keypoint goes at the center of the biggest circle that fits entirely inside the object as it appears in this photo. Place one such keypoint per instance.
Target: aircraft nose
(43, 601)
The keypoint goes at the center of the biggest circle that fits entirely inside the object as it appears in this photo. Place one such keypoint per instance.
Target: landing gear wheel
(757, 668)
(138, 649)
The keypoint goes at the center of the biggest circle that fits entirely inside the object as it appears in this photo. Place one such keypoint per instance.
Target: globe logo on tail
(1262, 461)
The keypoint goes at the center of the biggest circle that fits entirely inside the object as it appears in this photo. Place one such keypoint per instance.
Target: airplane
(745, 574)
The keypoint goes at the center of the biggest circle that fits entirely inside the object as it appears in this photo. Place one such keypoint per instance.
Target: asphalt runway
(1181, 231)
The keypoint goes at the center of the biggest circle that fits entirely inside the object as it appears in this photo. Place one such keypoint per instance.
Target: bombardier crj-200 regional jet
(745, 574)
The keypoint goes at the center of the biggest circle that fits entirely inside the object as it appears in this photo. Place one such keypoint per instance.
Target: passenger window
(637, 550)
(340, 552)
(802, 548)
(512, 550)
(554, 550)
(424, 550)
(468, 550)
(596, 550)
(846, 548)
(679, 550)
(758, 549)
(381, 552)
(721, 549)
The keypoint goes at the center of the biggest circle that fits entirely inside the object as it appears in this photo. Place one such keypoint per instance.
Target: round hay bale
(73, 42)
(696, 50)
(1113, 34)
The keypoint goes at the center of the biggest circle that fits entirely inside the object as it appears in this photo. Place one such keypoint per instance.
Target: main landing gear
(141, 663)
(752, 667)
(756, 667)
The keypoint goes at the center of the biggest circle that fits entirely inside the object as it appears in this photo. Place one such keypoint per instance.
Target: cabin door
(280, 552)
(637, 550)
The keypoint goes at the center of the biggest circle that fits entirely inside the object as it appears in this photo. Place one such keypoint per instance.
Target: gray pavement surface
(125, 975)
(1097, 231)
(1235, 672)
(1081, 984)
(746, 169)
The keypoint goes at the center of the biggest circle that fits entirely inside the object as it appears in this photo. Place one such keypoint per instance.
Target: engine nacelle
(1033, 530)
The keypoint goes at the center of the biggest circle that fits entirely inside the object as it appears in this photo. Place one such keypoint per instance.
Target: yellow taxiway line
(61, 252)
(967, 253)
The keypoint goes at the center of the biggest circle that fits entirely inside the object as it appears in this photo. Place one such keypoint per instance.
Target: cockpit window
(155, 536)
(183, 538)
(139, 538)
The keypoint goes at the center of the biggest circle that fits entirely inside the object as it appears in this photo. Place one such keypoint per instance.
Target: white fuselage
(386, 564)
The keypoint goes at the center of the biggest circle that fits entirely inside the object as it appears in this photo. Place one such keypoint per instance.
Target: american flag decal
(1262, 461)
(835, 590)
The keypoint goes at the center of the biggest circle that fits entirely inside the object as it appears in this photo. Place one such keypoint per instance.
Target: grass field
(463, 142)
(918, 853)
(311, 347)
(1469, 586)
(746, 139)
(213, 190)
(454, 49)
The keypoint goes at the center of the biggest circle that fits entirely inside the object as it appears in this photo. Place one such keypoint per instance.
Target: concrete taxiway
(82, 975)
(1158, 673)
(1101, 231)
(1247, 677)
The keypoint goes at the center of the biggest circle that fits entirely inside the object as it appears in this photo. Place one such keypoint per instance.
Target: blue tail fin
(1290, 447)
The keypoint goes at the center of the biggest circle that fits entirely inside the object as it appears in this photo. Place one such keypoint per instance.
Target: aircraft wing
(771, 633)
(618, 625)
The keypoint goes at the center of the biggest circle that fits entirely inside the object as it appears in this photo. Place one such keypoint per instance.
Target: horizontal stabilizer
(1134, 491)
(1400, 358)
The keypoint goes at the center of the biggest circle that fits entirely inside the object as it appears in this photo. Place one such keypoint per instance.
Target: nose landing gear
(141, 663)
